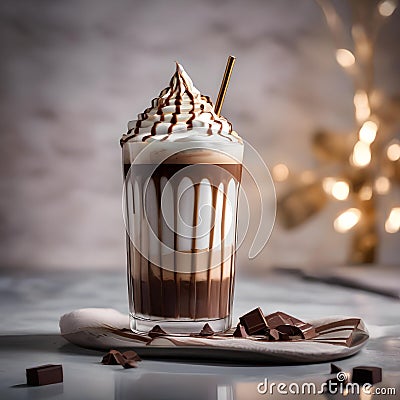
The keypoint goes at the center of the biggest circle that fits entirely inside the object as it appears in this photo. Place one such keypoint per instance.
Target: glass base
(142, 325)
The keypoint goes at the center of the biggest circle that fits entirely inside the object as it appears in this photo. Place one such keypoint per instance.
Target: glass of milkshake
(182, 168)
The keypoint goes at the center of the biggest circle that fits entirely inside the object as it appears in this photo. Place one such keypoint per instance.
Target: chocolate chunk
(254, 322)
(279, 318)
(128, 359)
(110, 358)
(308, 331)
(335, 369)
(120, 358)
(370, 375)
(44, 375)
(206, 331)
(156, 331)
(240, 331)
(273, 334)
(131, 355)
(289, 332)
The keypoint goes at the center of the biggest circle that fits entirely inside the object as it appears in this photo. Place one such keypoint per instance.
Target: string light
(280, 172)
(361, 156)
(338, 189)
(327, 184)
(345, 58)
(386, 8)
(365, 184)
(393, 152)
(392, 224)
(347, 220)
(365, 193)
(382, 185)
(361, 105)
(367, 133)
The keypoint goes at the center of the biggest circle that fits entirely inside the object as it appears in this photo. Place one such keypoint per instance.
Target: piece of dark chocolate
(366, 374)
(206, 331)
(254, 322)
(273, 334)
(110, 358)
(131, 355)
(127, 360)
(289, 332)
(44, 375)
(240, 331)
(156, 331)
(120, 358)
(279, 318)
(335, 369)
(307, 330)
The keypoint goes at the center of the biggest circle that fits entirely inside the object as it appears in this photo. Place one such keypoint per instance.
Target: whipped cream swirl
(179, 108)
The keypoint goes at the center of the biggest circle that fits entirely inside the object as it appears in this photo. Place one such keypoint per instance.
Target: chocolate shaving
(206, 331)
(131, 355)
(110, 358)
(127, 360)
(156, 331)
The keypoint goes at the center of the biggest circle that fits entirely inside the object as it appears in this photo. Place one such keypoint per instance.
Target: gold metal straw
(224, 84)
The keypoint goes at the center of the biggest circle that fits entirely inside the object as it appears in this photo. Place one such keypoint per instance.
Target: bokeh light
(347, 220)
(392, 224)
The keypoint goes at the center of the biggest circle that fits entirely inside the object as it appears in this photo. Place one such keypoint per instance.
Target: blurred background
(74, 72)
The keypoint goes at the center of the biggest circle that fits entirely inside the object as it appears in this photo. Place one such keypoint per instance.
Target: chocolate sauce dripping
(128, 248)
(189, 122)
(178, 284)
(174, 118)
(225, 185)
(193, 299)
(145, 303)
(214, 194)
(157, 182)
(233, 253)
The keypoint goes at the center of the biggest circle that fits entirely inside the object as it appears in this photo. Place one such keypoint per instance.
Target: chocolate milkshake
(182, 169)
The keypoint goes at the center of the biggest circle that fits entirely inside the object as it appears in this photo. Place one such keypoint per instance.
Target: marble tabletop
(31, 304)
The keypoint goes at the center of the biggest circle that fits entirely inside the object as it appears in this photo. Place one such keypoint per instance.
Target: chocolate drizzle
(179, 107)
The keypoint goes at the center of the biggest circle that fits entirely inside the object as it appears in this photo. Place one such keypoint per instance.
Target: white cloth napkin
(87, 318)
(105, 328)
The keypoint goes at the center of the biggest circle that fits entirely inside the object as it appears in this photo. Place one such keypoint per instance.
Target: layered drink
(182, 169)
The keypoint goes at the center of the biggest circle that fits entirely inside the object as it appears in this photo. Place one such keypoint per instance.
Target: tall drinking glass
(180, 209)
